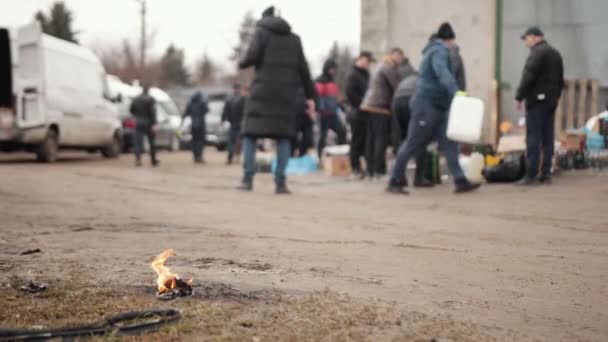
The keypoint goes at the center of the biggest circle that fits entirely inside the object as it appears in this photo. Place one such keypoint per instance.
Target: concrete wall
(578, 28)
(409, 23)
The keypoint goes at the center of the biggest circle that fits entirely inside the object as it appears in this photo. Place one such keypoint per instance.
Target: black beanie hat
(446, 32)
(269, 12)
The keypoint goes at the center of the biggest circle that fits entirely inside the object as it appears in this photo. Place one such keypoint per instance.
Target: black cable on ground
(119, 324)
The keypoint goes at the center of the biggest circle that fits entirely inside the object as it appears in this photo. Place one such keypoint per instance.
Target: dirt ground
(339, 260)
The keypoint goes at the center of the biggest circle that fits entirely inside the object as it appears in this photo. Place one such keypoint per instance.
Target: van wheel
(113, 150)
(48, 151)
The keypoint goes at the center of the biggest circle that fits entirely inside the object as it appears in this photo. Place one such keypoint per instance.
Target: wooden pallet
(578, 103)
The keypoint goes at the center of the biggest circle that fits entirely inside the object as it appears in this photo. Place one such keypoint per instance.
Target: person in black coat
(197, 110)
(541, 87)
(280, 70)
(143, 108)
(356, 87)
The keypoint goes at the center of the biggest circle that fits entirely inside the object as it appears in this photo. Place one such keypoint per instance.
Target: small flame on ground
(166, 281)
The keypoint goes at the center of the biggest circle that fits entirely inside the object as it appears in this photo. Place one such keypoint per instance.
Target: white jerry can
(465, 124)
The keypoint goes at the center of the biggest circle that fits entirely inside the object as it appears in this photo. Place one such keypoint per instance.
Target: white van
(53, 95)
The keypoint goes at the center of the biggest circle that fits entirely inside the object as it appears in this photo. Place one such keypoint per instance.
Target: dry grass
(220, 313)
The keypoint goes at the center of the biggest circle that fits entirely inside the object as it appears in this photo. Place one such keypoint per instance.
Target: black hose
(116, 324)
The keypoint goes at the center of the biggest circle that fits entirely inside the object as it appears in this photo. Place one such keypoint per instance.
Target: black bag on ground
(511, 169)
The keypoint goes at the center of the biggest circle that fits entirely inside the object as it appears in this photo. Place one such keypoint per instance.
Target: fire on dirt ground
(339, 260)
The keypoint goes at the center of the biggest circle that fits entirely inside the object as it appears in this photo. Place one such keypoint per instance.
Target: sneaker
(138, 163)
(245, 186)
(282, 190)
(156, 163)
(466, 186)
(397, 187)
(527, 181)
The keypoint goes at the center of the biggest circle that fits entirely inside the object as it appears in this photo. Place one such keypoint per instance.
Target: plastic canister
(473, 167)
(465, 123)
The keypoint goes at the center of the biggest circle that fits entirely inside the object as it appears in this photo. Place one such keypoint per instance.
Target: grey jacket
(407, 87)
(379, 96)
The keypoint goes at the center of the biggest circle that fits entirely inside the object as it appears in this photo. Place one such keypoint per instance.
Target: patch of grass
(225, 316)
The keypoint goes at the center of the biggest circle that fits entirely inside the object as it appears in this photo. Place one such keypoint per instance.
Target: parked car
(53, 95)
(217, 131)
(167, 115)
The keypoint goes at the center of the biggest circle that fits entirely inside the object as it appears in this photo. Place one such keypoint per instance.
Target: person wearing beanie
(281, 70)
(328, 105)
(435, 89)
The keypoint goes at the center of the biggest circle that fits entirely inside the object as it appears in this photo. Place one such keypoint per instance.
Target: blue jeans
(540, 133)
(427, 122)
(283, 153)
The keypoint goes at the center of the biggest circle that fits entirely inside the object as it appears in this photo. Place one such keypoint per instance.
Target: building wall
(577, 28)
(409, 23)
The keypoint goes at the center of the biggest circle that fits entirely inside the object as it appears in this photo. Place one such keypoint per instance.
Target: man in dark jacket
(328, 106)
(234, 110)
(197, 110)
(304, 139)
(280, 70)
(540, 88)
(143, 108)
(435, 89)
(356, 86)
(401, 123)
(377, 103)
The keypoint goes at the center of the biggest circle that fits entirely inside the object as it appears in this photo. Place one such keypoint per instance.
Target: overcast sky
(200, 25)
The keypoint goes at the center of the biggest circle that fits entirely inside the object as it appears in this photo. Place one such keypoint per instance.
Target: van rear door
(31, 111)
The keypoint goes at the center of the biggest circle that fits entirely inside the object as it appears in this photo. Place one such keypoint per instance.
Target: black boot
(422, 182)
(282, 190)
(397, 187)
(527, 181)
(545, 179)
(246, 185)
(464, 186)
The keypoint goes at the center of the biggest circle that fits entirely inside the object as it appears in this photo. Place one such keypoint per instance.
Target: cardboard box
(337, 166)
(512, 143)
(574, 141)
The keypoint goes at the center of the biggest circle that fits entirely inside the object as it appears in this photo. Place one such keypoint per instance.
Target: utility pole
(142, 52)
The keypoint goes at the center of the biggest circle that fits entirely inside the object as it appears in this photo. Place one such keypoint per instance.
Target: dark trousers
(540, 133)
(304, 135)
(427, 122)
(148, 133)
(198, 142)
(233, 142)
(378, 132)
(358, 126)
(331, 121)
(401, 123)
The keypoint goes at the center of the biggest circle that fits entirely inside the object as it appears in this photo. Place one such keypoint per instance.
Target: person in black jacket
(143, 108)
(304, 139)
(356, 87)
(233, 113)
(280, 70)
(540, 88)
(197, 110)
